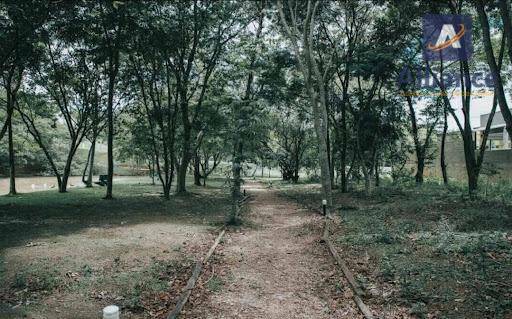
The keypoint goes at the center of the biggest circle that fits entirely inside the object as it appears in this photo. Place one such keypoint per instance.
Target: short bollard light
(324, 206)
(111, 312)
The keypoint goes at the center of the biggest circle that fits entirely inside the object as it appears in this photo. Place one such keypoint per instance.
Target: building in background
(497, 158)
(498, 138)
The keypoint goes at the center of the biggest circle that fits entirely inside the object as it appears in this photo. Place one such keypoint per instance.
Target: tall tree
(69, 79)
(203, 28)
(20, 27)
(473, 159)
(158, 100)
(495, 66)
(239, 123)
(299, 24)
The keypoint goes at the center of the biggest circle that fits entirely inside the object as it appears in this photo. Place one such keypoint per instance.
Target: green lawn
(428, 249)
(49, 213)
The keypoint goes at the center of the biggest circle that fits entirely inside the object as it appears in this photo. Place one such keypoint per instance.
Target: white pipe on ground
(111, 312)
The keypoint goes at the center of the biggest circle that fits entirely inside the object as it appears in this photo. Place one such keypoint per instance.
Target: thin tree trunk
(420, 152)
(12, 166)
(32, 130)
(11, 103)
(197, 172)
(110, 137)
(330, 156)
(368, 186)
(236, 169)
(419, 170)
(91, 164)
(343, 153)
(10, 110)
(443, 148)
(377, 176)
(67, 168)
(504, 6)
(152, 170)
(167, 191)
(86, 167)
(495, 70)
(237, 141)
(185, 157)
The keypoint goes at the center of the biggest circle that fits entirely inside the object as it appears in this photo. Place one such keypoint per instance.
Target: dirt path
(277, 268)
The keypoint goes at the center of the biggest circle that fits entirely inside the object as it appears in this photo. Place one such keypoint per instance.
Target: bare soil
(275, 267)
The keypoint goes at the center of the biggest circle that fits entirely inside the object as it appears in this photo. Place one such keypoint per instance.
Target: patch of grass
(49, 213)
(215, 284)
(37, 277)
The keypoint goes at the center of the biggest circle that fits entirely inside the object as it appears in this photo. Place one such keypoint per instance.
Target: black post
(244, 192)
(324, 206)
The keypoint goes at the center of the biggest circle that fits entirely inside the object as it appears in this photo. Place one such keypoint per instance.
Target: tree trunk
(330, 157)
(238, 120)
(507, 24)
(443, 148)
(197, 171)
(236, 169)
(368, 178)
(167, 191)
(67, 169)
(64, 184)
(471, 167)
(110, 146)
(185, 156)
(10, 110)
(419, 170)
(343, 153)
(377, 175)
(472, 180)
(91, 164)
(420, 151)
(152, 170)
(12, 166)
(296, 169)
(112, 73)
(493, 66)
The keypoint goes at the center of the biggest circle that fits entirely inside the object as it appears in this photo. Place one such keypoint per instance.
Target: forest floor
(273, 267)
(417, 252)
(424, 251)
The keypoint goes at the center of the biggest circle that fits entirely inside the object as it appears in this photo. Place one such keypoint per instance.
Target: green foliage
(215, 284)
(37, 277)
